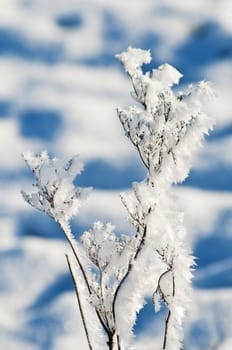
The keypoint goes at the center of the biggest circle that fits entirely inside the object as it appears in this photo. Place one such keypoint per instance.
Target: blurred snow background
(60, 85)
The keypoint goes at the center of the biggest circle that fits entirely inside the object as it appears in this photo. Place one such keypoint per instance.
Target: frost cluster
(113, 274)
(55, 193)
(107, 252)
(165, 127)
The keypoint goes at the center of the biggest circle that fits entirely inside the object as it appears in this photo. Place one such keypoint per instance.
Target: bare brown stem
(79, 302)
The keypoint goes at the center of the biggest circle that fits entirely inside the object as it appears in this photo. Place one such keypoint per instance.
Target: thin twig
(79, 302)
(116, 294)
(169, 314)
(142, 242)
(169, 311)
(140, 154)
(129, 268)
(83, 273)
(104, 314)
(134, 220)
(76, 256)
(166, 330)
(142, 101)
(133, 143)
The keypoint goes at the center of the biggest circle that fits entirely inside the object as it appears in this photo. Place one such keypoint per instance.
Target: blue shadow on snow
(101, 175)
(148, 319)
(69, 21)
(215, 178)
(40, 123)
(61, 285)
(38, 224)
(215, 249)
(208, 43)
(13, 43)
(218, 134)
(5, 108)
(42, 329)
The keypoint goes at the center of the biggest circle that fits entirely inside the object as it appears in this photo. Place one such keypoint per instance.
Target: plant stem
(79, 302)
(69, 239)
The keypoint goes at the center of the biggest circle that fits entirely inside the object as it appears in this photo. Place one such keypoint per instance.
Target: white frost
(133, 59)
(115, 273)
(56, 195)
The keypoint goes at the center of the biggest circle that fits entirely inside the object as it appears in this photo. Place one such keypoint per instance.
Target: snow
(86, 94)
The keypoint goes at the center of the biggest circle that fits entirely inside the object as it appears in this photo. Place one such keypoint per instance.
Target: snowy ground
(60, 86)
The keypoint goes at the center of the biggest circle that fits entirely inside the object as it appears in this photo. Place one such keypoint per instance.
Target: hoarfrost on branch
(114, 274)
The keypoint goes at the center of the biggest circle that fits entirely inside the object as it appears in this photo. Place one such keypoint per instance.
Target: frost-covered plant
(114, 274)
(56, 194)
